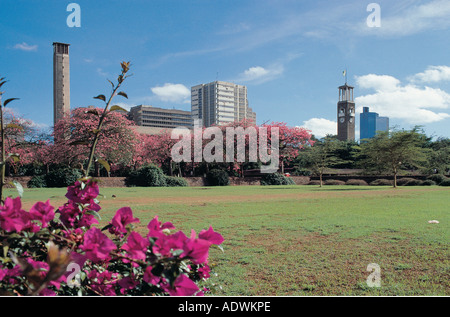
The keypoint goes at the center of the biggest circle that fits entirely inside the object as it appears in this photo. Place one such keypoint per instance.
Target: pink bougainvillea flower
(196, 250)
(203, 272)
(83, 195)
(155, 228)
(75, 235)
(96, 245)
(166, 245)
(211, 236)
(183, 286)
(136, 246)
(69, 214)
(12, 217)
(149, 277)
(44, 212)
(122, 218)
(87, 220)
(103, 283)
(127, 283)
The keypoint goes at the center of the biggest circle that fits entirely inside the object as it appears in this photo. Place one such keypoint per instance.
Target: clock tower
(346, 114)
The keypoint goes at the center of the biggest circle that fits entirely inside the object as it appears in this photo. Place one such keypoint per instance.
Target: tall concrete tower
(346, 114)
(61, 81)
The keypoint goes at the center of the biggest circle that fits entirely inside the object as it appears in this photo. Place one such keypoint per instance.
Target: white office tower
(219, 103)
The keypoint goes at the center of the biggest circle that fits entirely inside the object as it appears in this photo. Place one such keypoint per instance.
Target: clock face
(342, 120)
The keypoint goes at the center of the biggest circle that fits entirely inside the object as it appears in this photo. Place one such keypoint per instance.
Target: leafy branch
(115, 87)
(4, 157)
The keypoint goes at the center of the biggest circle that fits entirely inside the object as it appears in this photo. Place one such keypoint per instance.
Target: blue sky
(289, 53)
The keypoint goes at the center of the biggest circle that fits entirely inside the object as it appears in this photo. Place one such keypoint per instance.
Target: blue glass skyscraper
(370, 123)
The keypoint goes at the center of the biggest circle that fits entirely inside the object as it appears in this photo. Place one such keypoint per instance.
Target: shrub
(358, 182)
(301, 172)
(276, 179)
(334, 182)
(37, 182)
(61, 251)
(217, 177)
(414, 182)
(445, 182)
(314, 182)
(62, 177)
(405, 180)
(437, 178)
(147, 176)
(428, 182)
(176, 182)
(382, 182)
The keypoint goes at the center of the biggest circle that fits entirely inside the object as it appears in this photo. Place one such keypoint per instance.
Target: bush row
(153, 176)
(276, 179)
(406, 181)
(146, 177)
(63, 177)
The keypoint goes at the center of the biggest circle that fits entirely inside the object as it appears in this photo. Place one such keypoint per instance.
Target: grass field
(304, 240)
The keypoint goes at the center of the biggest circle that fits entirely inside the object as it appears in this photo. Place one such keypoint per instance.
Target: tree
(74, 134)
(392, 151)
(291, 141)
(322, 155)
(439, 156)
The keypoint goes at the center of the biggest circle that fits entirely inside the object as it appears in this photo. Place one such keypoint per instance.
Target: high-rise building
(61, 81)
(148, 116)
(220, 103)
(370, 123)
(346, 114)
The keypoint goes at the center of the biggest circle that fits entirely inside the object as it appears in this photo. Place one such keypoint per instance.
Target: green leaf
(117, 108)
(18, 187)
(106, 227)
(93, 111)
(5, 251)
(94, 213)
(15, 157)
(219, 247)
(7, 101)
(101, 97)
(122, 94)
(14, 126)
(105, 164)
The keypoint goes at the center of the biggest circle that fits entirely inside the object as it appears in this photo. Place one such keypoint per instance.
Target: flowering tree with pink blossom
(62, 251)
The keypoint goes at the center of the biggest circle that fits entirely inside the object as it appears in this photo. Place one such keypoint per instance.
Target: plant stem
(97, 133)
(2, 180)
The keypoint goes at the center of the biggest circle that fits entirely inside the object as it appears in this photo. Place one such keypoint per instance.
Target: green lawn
(304, 240)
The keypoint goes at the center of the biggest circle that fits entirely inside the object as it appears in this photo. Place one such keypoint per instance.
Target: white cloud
(378, 82)
(177, 93)
(432, 74)
(102, 73)
(25, 47)
(320, 127)
(406, 102)
(259, 74)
